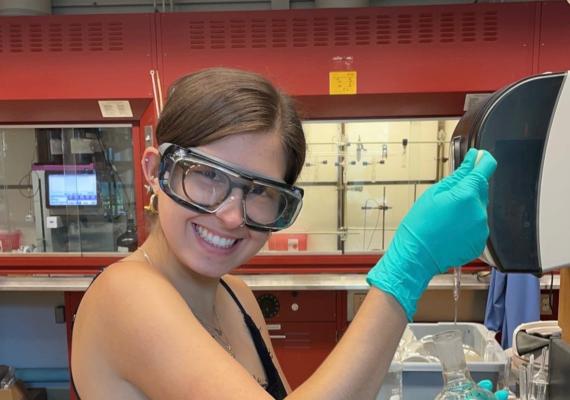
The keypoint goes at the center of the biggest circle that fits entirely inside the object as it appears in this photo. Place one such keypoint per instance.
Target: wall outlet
(545, 304)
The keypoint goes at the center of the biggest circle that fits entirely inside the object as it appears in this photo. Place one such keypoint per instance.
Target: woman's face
(214, 244)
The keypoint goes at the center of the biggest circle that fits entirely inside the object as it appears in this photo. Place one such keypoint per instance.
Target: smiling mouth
(214, 240)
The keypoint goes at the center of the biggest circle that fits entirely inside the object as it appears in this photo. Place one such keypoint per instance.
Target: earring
(152, 207)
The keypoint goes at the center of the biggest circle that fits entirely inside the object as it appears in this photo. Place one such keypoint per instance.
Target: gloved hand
(447, 226)
(486, 384)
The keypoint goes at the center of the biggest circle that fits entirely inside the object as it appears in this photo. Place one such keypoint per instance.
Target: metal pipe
(341, 192)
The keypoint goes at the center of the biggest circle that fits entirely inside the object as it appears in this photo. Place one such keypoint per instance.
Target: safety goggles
(204, 184)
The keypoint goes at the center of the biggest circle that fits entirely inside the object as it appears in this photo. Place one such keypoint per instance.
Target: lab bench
(306, 313)
(329, 281)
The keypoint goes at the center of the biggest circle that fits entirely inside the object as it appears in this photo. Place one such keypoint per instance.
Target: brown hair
(214, 103)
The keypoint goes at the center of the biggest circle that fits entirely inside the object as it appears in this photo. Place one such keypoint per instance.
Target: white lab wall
(20, 145)
(318, 216)
(373, 229)
(388, 165)
(322, 152)
(386, 157)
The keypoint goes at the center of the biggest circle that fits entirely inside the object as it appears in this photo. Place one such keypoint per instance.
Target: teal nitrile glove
(502, 394)
(447, 226)
(486, 384)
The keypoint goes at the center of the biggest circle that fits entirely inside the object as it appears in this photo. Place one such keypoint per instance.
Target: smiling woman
(231, 147)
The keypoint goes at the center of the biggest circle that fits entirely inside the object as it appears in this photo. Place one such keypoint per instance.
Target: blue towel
(513, 299)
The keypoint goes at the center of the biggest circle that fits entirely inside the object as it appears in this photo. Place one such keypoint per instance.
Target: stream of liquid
(456, 290)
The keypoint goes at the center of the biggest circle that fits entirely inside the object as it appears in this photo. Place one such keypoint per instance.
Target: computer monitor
(64, 189)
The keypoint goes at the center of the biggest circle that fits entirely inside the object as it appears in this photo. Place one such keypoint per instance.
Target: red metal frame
(261, 264)
(411, 62)
(554, 45)
(421, 49)
(76, 57)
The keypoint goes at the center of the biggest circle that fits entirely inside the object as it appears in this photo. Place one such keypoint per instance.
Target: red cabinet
(304, 327)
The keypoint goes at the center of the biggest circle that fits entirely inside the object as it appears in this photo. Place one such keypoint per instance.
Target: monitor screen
(71, 189)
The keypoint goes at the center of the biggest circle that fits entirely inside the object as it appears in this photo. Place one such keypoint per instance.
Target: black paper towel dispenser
(526, 127)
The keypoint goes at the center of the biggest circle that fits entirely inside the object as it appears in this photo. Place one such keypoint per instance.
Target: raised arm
(446, 227)
(145, 343)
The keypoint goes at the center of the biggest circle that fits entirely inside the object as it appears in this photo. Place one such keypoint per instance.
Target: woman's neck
(199, 291)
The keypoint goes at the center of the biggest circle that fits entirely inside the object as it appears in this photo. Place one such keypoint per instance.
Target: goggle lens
(203, 183)
(209, 187)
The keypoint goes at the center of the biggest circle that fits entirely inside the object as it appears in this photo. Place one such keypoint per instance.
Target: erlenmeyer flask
(457, 382)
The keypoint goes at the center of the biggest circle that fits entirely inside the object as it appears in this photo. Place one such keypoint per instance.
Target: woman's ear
(150, 163)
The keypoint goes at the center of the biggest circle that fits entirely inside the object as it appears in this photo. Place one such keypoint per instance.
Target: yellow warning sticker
(342, 82)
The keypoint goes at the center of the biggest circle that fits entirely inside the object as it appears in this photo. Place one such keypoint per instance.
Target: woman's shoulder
(125, 277)
(123, 286)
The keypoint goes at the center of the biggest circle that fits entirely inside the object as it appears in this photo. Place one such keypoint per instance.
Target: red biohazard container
(10, 240)
(288, 242)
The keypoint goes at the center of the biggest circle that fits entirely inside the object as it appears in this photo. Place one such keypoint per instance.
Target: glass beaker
(457, 382)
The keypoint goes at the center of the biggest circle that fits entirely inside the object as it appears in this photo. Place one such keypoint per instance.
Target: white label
(122, 249)
(55, 146)
(293, 244)
(472, 100)
(115, 108)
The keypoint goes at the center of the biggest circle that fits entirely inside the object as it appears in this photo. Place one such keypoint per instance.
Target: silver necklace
(214, 330)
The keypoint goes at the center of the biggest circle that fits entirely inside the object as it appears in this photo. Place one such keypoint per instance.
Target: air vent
(468, 27)
(383, 29)
(197, 35)
(490, 26)
(426, 28)
(218, 34)
(447, 28)
(362, 31)
(301, 34)
(369, 29)
(279, 33)
(404, 30)
(321, 32)
(238, 34)
(259, 33)
(55, 38)
(60, 37)
(342, 32)
(16, 38)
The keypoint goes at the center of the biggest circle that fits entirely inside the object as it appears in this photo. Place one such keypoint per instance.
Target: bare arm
(151, 341)
(358, 364)
(356, 367)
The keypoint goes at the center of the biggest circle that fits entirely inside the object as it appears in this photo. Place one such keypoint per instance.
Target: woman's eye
(258, 190)
(208, 173)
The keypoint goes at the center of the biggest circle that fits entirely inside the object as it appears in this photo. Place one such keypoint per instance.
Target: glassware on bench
(457, 382)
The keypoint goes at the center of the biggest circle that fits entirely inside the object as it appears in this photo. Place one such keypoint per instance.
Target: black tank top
(275, 385)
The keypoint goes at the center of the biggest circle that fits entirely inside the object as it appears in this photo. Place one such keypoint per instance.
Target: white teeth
(214, 240)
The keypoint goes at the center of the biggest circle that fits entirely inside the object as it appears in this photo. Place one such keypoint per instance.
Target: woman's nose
(231, 211)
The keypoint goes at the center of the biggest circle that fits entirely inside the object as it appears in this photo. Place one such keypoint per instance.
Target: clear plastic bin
(423, 380)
